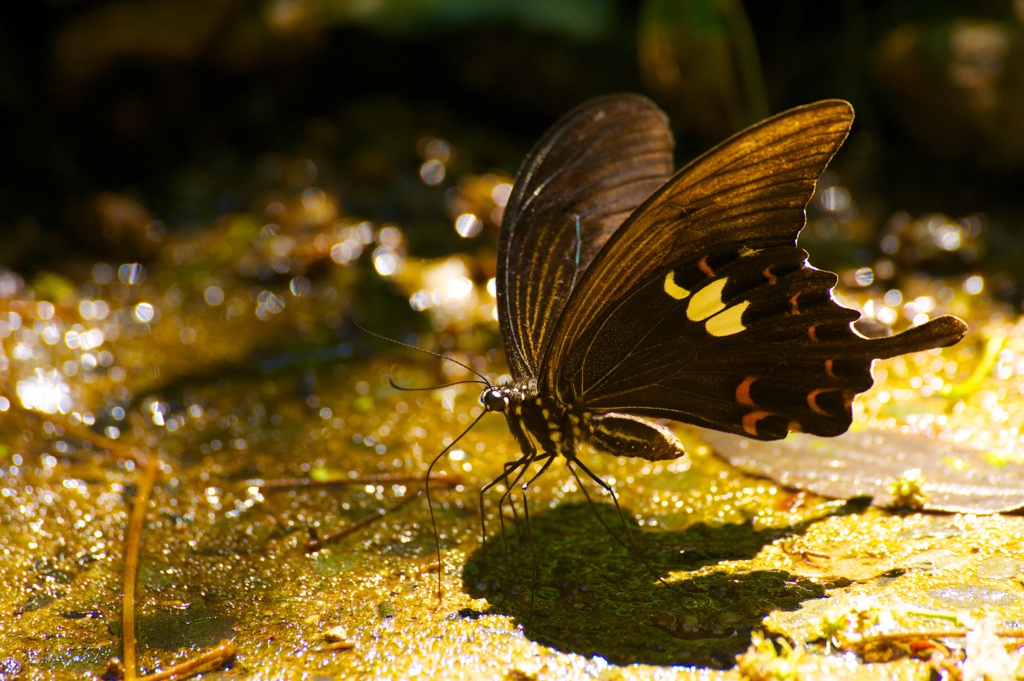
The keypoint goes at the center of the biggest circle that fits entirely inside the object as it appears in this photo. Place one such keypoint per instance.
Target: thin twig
(85, 434)
(910, 636)
(316, 543)
(224, 651)
(340, 645)
(131, 562)
(276, 484)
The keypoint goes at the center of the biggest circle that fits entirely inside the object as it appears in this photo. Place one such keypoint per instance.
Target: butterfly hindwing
(757, 347)
(580, 181)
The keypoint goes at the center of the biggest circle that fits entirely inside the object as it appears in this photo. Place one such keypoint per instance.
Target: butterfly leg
(630, 544)
(520, 466)
(548, 458)
(529, 536)
(430, 503)
(510, 467)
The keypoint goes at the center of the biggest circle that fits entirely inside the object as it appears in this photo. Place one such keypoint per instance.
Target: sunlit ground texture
(230, 357)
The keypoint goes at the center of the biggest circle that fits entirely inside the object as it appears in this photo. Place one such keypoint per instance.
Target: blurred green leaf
(700, 57)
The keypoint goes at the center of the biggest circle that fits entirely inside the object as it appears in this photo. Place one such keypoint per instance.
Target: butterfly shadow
(588, 594)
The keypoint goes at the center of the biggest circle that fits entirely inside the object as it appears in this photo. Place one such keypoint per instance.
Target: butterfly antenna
(430, 505)
(423, 350)
(432, 387)
(631, 545)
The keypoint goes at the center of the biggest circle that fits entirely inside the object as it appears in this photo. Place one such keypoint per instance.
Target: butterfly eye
(494, 400)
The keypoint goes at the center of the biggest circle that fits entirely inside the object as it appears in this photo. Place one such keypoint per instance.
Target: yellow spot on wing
(707, 301)
(729, 322)
(671, 288)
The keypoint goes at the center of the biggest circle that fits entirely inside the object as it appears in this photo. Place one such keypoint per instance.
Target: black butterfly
(627, 292)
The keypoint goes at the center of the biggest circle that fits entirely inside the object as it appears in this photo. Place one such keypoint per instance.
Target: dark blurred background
(170, 108)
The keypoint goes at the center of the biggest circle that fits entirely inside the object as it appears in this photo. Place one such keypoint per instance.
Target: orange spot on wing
(794, 308)
(705, 267)
(767, 272)
(812, 333)
(743, 391)
(750, 421)
(812, 401)
(828, 368)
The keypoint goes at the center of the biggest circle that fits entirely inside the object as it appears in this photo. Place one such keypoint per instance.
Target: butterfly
(627, 293)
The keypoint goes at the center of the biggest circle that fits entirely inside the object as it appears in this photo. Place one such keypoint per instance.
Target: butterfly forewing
(580, 181)
(749, 191)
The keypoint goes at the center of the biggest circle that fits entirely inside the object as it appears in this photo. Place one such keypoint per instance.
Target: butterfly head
(494, 398)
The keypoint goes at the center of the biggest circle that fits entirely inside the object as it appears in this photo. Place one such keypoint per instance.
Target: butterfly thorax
(545, 425)
(541, 425)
